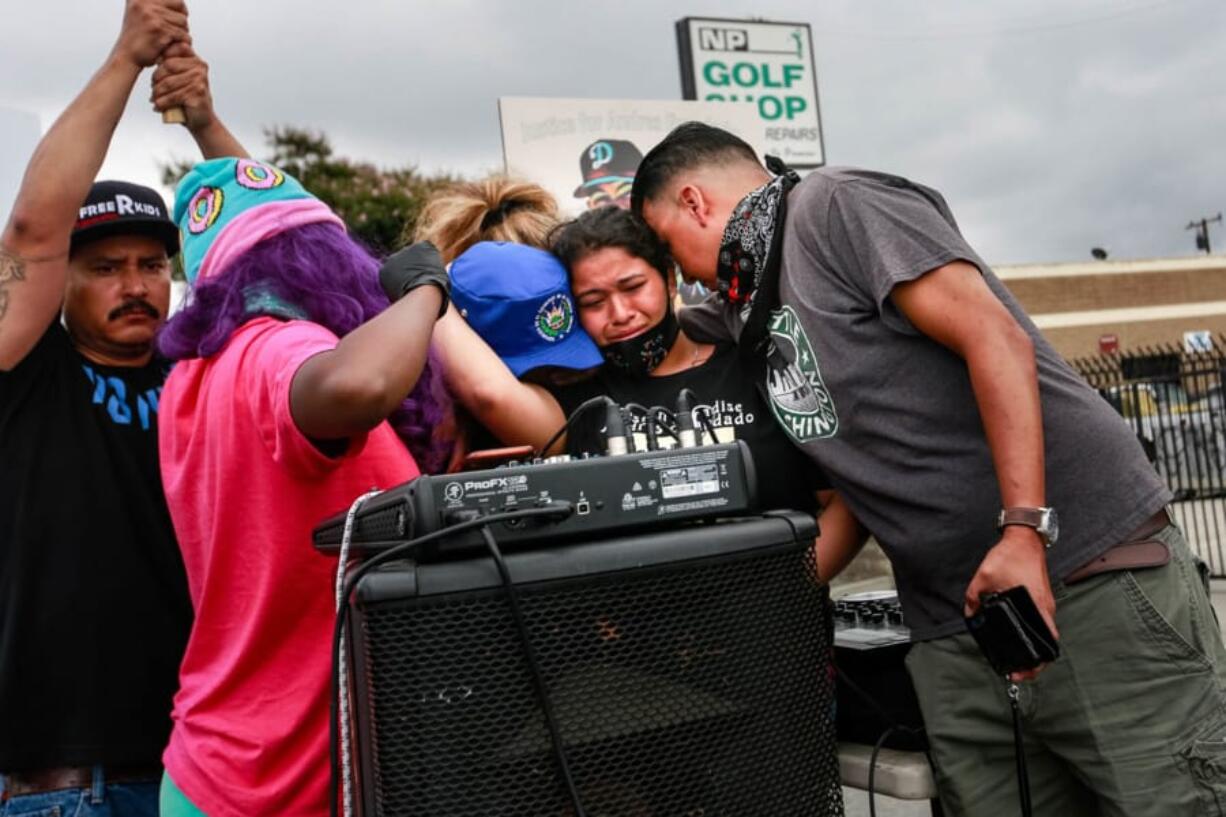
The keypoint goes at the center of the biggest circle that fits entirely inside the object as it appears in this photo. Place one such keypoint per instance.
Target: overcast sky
(1051, 127)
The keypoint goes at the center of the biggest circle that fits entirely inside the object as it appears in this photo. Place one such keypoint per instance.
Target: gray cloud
(1050, 126)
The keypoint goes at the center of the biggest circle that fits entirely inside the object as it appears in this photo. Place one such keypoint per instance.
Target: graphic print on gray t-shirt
(908, 451)
(799, 399)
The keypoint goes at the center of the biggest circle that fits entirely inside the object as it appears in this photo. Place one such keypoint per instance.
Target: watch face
(1051, 523)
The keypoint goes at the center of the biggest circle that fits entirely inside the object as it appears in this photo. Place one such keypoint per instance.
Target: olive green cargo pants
(1130, 721)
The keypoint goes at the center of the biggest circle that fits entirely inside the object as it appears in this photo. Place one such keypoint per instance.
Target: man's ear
(694, 204)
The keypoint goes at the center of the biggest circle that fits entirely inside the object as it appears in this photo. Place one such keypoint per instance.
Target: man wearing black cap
(608, 167)
(94, 610)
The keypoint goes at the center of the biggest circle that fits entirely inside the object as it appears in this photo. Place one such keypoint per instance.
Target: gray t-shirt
(889, 414)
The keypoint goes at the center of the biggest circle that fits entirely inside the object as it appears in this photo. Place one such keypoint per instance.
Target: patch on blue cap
(556, 318)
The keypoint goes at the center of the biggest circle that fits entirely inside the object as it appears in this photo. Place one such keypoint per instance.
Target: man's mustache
(134, 305)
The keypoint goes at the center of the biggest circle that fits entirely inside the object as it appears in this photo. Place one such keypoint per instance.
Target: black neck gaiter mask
(640, 355)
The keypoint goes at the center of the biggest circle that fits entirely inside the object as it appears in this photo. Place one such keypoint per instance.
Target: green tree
(379, 206)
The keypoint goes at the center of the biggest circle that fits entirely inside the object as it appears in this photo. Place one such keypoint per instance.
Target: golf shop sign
(768, 66)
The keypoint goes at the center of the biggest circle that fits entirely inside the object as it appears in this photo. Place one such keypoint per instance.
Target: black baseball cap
(607, 160)
(122, 208)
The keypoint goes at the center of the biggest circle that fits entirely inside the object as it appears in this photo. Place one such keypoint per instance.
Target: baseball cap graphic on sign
(121, 208)
(607, 160)
(517, 298)
(224, 207)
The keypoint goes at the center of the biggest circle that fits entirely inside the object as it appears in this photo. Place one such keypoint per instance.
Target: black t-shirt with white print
(94, 608)
(786, 478)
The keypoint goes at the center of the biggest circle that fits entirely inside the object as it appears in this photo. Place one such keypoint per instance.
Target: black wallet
(1011, 633)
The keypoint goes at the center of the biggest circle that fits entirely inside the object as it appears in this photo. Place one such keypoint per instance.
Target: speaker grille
(693, 688)
(388, 524)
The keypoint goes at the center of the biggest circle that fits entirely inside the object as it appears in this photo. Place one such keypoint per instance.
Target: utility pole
(1202, 231)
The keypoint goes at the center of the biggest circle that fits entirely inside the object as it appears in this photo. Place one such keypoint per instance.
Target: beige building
(1140, 303)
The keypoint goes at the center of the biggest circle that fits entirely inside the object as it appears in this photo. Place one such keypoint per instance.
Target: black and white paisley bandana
(749, 242)
(640, 355)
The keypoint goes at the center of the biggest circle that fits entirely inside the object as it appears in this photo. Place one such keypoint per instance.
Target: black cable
(1019, 751)
(650, 429)
(655, 415)
(598, 400)
(652, 422)
(636, 407)
(704, 415)
(892, 726)
(687, 436)
(872, 771)
(562, 509)
(872, 702)
(627, 415)
(534, 669)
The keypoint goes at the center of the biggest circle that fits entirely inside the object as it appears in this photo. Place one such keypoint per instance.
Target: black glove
(414, 266)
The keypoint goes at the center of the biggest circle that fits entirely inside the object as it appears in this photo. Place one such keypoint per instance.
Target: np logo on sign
(766, 66)
(723, 39)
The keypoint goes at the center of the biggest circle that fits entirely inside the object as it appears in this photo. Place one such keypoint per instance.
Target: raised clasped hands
(181, 80)
(149, 28)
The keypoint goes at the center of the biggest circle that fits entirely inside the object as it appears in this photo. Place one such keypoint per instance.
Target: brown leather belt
(1139, 549)
(40, 781)
(1150, 527)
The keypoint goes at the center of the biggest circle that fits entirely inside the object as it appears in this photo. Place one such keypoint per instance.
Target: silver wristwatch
(1043, 520)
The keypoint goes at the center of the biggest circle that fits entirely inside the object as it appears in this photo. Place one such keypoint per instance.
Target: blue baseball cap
(517, 298)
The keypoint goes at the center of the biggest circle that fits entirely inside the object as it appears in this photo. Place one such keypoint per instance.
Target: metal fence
(1174, 402)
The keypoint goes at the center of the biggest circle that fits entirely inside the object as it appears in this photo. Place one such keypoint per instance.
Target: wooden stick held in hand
(175, 115)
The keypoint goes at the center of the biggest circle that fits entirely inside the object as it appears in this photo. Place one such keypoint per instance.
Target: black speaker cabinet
(689, 671)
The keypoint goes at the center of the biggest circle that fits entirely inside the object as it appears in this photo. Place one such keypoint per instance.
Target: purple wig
(319, 273)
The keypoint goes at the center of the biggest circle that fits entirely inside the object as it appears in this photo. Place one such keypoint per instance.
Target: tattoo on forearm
(12, 268)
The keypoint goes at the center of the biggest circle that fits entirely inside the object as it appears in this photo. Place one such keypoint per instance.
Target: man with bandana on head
(893, 357)
(94, 610)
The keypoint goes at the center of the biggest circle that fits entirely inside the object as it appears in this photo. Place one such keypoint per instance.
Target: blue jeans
(102, 799)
